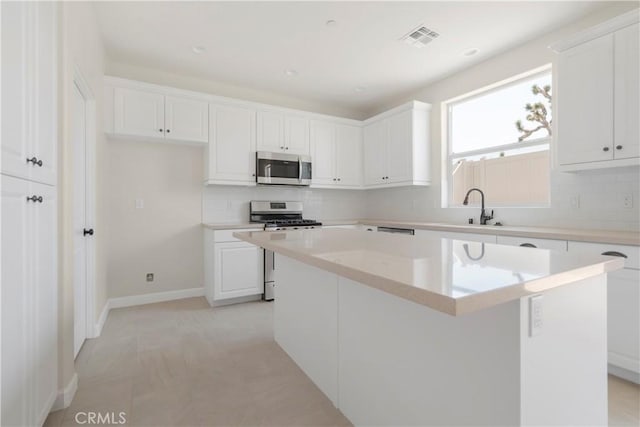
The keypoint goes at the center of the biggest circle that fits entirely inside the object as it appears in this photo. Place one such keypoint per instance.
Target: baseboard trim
(237, 300)
(133, 300)
(624, 362)
(65, 396)
(97, 328)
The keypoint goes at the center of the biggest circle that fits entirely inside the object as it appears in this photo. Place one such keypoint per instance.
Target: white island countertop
(451, 276)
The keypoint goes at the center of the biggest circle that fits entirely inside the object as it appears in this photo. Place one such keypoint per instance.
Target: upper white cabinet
(597, 86)
(396, 147)
(29, 91)
(138, 113)
(336, 152)
(280, 132)
(231, 153)
(152, 114)
(186, 119)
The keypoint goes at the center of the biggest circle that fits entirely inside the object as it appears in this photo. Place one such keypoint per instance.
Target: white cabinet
(231, 152)
(29, 91)
(623, 303)
(597, 81)
(233, 268)
(336, 152)
(152, 114)
(28, 295)
(471, 237)
(396, 147)
(626, 131)
(555, 245)
(280, 132)
(186, 119)
(29, 301)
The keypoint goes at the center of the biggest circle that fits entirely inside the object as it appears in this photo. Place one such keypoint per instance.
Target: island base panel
(384, 360)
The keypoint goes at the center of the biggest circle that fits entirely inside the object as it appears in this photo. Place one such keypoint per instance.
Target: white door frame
(90, 197)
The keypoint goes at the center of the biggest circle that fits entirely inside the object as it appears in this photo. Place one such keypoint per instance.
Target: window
(498, 140)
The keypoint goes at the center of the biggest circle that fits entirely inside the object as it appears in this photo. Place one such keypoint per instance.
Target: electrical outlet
(139, 203)
(627, 201)
(149, 277)
(535, 315)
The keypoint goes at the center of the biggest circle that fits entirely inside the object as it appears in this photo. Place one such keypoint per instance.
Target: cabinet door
(399, 147)
(138, 113)
(45, 138)
(623, 319)
(323, 153)
(296, 135)
(270, 131)
(375, 153)
(44, 284)
(585, 102)
(186, 119)
(232, 144)
(15, 75)
(238, 270)
(627, 88)
(15, 293)
(349, 155)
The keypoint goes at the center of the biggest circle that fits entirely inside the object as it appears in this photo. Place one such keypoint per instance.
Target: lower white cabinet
(233, 268)
(29, 301)
(486, 238)
(623, 308)
(555, 245)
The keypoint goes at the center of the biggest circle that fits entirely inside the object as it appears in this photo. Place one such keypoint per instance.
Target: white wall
(231, 204)
(600, 192)
(164, 237)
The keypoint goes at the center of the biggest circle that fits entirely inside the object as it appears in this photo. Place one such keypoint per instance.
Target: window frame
(449, 156)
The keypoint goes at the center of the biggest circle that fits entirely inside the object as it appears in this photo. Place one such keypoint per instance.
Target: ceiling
(252, 44)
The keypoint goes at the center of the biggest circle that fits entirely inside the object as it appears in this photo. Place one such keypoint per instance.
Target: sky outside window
(489, 120)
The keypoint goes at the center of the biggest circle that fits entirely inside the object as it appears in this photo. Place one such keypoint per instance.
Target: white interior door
(79, 220)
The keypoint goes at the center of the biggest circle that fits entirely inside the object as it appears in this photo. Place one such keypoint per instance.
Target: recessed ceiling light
(331, 23)
(291, 72)
(359, 89)
(198, 49)
(470, 52)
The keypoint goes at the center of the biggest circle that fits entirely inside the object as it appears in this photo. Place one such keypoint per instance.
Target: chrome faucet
(483, 215)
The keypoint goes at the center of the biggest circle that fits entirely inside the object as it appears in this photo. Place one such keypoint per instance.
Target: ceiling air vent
(420, 37)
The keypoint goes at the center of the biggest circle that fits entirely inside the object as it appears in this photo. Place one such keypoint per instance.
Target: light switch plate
(139, 203)
(535, 315)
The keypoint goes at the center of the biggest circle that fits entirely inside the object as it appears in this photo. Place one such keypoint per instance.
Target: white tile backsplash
(601, 195)
(231, 204)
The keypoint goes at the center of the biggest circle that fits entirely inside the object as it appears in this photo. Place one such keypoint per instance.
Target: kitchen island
(401, 330)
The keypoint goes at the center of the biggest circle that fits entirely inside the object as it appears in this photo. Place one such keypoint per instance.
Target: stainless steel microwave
(282, 169)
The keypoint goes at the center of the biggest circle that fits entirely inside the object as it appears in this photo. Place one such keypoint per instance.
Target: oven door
(283, 169)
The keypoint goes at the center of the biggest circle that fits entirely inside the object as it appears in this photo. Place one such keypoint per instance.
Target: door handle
(89, 232)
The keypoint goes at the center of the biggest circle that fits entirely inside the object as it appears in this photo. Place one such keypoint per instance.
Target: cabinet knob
(34, 199)
(89, 232)
(282, 147)
(334, 179)
(605, 148)
(168, 130)
(338, 179)
(159, 130)
(618, 147)
(34, 161)
(286, 148)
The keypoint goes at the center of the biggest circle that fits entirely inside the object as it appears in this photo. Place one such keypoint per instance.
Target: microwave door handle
(299, 170)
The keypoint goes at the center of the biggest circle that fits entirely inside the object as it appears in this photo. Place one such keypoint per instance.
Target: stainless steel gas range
(277, 215)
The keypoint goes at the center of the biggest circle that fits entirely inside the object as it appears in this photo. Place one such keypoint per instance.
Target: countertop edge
(442, 303)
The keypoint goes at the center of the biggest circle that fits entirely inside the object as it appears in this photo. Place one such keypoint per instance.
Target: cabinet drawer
(227, 235)
(555, 245)
(632, 253)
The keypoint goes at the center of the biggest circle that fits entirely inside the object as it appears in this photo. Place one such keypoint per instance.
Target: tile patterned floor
(182, 363)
